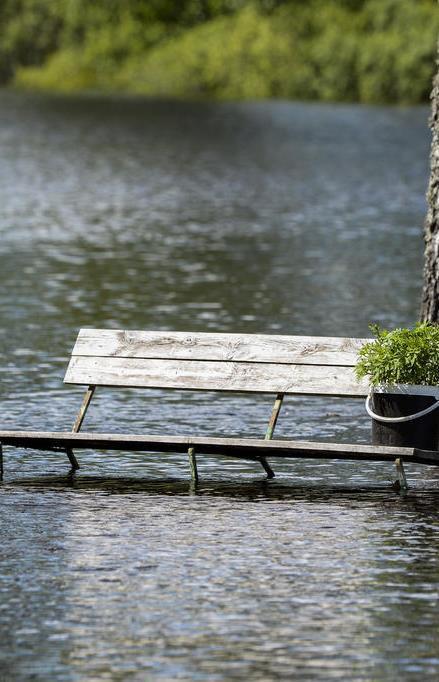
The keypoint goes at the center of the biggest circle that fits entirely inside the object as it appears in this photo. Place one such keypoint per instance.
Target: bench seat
(244, 448)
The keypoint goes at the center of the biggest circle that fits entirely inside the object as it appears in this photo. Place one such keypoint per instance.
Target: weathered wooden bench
(250, 363)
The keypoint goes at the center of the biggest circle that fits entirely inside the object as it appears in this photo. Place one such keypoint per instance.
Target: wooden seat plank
(308, 350)
(236, 447)
(215, 376)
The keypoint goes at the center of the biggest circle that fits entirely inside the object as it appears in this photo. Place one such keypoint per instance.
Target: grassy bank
(332, 50)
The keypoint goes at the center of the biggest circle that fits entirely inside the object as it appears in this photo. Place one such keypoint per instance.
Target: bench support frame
(191, 451)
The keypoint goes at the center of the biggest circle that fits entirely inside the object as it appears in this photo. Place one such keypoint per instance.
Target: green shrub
(29, 31)
(230, 57)
(401, 356)
(397, 56)
(94, 64)
(333, 50)
(64, 71)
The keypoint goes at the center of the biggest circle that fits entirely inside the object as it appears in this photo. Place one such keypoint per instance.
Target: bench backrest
(217, 362)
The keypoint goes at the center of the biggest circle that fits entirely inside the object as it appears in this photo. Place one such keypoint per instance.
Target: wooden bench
(247, 363)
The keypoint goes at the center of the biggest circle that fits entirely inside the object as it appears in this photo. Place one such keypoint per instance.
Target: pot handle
(398, 420)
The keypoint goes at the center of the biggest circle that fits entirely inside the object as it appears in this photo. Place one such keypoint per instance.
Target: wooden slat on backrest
(308, 350)
(222, 362)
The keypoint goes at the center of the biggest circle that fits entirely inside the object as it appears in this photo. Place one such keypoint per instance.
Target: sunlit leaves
(401, 356)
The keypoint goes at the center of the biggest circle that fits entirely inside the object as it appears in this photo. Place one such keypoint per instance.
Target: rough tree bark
(430, 294)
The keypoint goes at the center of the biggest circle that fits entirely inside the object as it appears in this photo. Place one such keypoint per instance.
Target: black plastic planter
(419, 432)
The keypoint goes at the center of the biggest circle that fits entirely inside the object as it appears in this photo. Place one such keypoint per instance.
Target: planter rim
(406, 389)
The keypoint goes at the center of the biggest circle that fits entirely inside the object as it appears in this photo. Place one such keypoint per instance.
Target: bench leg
(78, 423)
(270, 430)
(193, 464)
(83, 409)
(1, 462)
(72, 459)
(269, 471)
(401, 480)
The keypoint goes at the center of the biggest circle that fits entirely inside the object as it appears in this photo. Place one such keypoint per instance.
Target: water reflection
(243, 579)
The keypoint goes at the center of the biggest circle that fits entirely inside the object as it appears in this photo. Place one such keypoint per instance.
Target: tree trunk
(430, 294)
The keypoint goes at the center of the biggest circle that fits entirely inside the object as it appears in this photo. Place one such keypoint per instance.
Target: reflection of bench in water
(248, 363)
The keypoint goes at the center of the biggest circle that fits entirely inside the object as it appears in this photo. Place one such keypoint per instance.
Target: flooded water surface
(257, 217)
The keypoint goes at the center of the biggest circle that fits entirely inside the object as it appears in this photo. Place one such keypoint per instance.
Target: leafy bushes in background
(398, 53)
(29, 30)
(344, 50)
(228, 57)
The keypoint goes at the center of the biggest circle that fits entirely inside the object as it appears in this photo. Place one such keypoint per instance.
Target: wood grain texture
(233, 447)
(215, 376)
(308, 350)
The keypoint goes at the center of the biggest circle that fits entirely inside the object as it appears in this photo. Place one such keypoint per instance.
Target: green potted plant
(402, 367)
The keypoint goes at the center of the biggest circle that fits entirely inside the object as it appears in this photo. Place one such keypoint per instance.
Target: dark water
(263, 217)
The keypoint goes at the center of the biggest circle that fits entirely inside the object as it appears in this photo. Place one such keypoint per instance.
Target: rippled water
(257, 217)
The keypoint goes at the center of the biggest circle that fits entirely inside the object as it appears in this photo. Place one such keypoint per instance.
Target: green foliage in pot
(401, 356)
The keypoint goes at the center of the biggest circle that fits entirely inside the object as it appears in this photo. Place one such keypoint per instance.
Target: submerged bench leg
(72, 459)
(193, 464)
(267, 467)
(401, 479)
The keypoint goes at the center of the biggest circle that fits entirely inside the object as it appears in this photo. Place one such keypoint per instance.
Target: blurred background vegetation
(342, 50)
